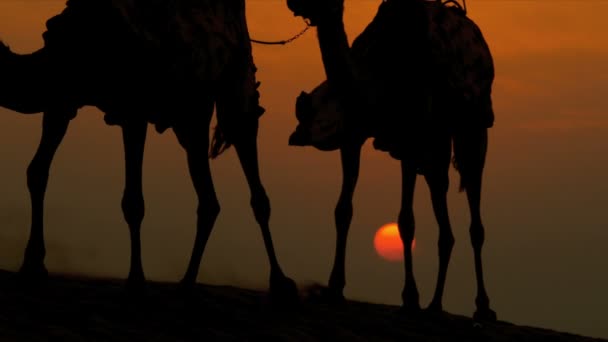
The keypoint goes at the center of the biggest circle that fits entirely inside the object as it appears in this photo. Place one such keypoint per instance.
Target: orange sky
(544, 200)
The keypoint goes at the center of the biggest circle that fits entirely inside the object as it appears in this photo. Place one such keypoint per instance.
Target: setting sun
(387, 242)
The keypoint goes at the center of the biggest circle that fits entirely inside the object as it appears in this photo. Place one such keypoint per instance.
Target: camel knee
(343, 215)
(37, 177)
(208, 211)
(442, 184)
(477, 233)
(439, 181)
(407, 226)
(133, 208)
(261, 207)
(446, 243)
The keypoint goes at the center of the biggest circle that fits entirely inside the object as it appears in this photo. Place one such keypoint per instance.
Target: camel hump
(200, 36)
(193, 37)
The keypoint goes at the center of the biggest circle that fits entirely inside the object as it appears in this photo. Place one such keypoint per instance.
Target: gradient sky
(545, 196)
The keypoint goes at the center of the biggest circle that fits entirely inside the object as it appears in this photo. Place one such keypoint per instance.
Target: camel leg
(473, 173)
(196, 145)
(282, 288)
(54, 127)
(350, 158)
(438, 182)
(406, 225)
(134, 138)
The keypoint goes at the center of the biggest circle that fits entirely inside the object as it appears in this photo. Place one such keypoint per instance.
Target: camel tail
(230, 126)
(457, 161)
(219, 144)
(470, 147)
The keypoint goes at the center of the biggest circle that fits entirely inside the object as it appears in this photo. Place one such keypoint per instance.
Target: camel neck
(335, 52)
(22, 87)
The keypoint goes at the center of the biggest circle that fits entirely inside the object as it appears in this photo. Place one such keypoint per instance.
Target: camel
(418, 80)
(145, 61)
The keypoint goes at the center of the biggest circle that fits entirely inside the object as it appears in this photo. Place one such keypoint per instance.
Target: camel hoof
(326, 295)
(136, 286)
(32, 274)
(435, 305)
(410, 310)
(434, 309)
(484, 315)
(283, 291)
(186, 286)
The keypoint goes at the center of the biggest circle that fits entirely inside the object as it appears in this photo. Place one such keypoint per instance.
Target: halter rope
(283, 42)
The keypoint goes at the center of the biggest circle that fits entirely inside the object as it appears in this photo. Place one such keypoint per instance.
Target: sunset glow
(387, 242)
(544, 193)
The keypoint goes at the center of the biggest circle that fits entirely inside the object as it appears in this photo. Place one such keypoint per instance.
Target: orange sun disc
(387, 242)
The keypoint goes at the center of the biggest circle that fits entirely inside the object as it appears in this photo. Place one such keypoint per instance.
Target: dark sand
(78, 309)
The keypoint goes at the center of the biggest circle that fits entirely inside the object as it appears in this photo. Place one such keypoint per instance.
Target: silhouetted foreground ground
(75, 309)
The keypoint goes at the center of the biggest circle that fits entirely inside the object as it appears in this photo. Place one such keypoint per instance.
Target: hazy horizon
(544, 200)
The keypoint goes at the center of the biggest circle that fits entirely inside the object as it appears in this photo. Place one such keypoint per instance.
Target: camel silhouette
(418, 80)
(154, 61)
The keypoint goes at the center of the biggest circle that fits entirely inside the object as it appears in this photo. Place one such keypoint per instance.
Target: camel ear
(303, 106)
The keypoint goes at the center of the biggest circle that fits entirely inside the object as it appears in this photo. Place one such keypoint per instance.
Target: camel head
(316, 11)
(81, 50)
(18, 90)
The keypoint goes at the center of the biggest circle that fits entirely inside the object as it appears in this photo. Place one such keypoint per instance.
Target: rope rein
(286, 41)
(462, 7)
